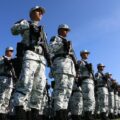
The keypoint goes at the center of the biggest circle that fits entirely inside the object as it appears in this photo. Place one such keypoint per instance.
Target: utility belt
(36, 50)
(61, 55)
(5, 75)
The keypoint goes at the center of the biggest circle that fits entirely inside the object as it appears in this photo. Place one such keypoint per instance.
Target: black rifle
(39, 35)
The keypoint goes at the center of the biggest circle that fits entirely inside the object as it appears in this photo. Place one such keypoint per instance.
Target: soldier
(116, 97)
(7, 75)
(111, 87)
(102, 91)
(63, 71)
(87, 77)
(32, 80)
(76, 100)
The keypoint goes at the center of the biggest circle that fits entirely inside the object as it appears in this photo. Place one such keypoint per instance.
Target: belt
(59, 55)
(36, 50)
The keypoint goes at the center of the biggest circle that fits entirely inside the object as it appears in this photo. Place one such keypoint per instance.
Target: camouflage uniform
(32, 80)
(87, 87)
(76, 101)
(116, 109)
(63, 71)
(102, 93)
(111, 98)
(6, 85)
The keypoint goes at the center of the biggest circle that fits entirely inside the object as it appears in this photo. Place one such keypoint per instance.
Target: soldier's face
(9, 53)
(101, 68)
(85, 55)
(64, 32)
(36, 15)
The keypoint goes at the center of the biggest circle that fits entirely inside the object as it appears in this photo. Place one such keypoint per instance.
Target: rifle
(41, 40)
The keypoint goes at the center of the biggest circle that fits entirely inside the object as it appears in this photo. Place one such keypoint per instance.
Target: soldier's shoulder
(79, 62)
(19, 21)
(1, 60)
(53, 38)
(1, 57)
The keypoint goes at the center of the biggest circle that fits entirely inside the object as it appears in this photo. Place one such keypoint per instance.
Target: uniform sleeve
(20, 26)
(97, 77)
(1, 61)
(55, 44)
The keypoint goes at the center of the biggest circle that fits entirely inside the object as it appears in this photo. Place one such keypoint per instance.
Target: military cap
(84, 51)
(107, 73)
(100, 64)
(64, 26)
(9, 49)
(37, 8)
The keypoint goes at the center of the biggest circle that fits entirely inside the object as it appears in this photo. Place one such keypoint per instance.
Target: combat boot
(35, 114)
(3, 116)
(28, 115)
(111, 116)
(59, 115)
(65, 114)
(20, 113)
(88, 115)
(103, 116)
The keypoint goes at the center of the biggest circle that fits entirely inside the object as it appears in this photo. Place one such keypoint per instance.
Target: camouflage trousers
(116, 109)
(6, 88)
(31, 84)
(88, 95)
(76, 101)
(103, 99)
(111, 102)
(44, 105)
(62, 91)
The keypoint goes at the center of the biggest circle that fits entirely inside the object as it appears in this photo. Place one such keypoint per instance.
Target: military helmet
(84, 51)
(64, 26)
(100, 64)
(9, 49)
(37, 8)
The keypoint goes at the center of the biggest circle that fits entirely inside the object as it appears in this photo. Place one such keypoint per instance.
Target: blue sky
(95, 26)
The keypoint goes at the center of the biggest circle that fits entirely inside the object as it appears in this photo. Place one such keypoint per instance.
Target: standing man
(32, 80)
(102, 91)
(7, 75)
(63, 71)
(111, 86)
(87, 77)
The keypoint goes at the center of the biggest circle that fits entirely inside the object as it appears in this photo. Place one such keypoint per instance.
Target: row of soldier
(77, 92)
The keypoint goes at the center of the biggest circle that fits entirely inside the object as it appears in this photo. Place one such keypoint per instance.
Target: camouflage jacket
(60, 64)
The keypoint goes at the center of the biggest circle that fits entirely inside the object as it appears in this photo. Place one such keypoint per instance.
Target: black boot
(111, 116)
(28, 115)
(103, 116)
(88, 115)
(65, 114)
(20, 113)
(59, 115)
(3, 116)
(35, 114)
